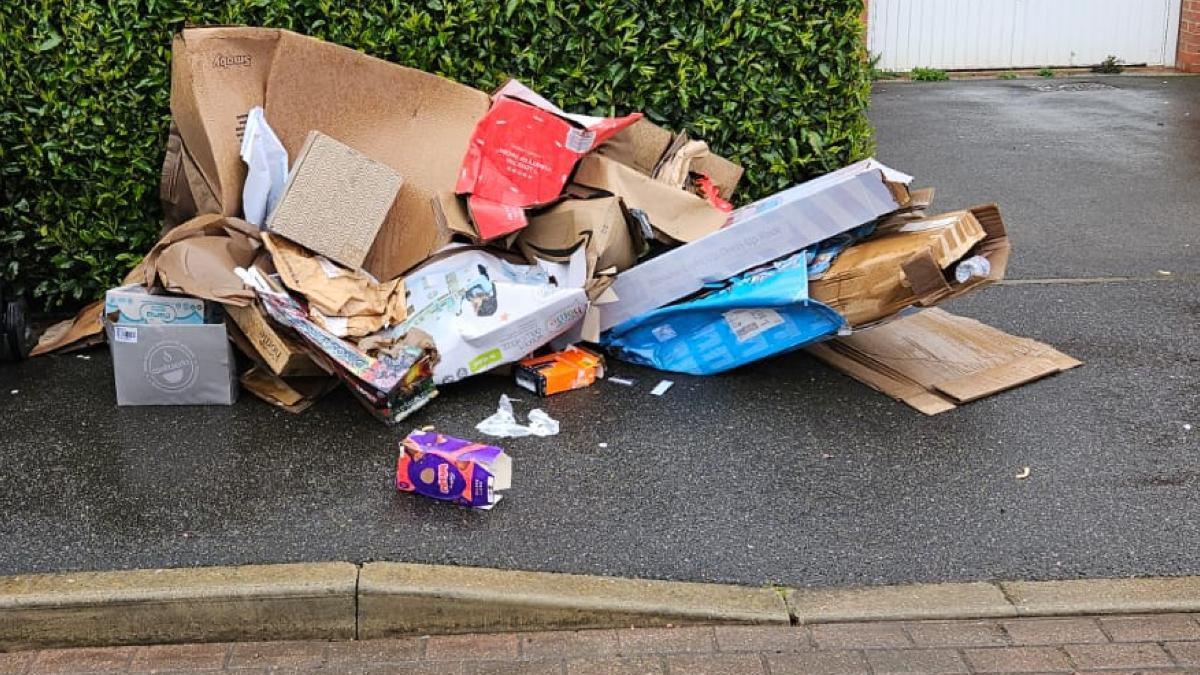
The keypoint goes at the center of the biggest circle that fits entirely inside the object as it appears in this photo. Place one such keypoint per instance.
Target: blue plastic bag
(759, 313)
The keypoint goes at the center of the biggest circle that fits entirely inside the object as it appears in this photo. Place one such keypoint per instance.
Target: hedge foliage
(780, 86)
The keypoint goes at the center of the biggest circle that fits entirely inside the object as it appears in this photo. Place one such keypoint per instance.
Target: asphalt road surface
(784, 471)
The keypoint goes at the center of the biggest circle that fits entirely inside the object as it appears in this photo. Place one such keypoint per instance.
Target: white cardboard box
(768, 229)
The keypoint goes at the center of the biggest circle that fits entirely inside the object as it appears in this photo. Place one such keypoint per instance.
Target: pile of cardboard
(344, 220)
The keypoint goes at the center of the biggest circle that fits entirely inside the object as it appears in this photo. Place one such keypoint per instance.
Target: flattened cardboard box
(763, 231)
(335, 200)
(935, 361)
(172, 364)
(415, 122)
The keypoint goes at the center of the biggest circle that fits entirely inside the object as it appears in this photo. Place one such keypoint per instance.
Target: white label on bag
(125, 334)
(749, 323)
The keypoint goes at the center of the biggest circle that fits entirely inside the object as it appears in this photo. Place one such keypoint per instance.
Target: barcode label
(125, 334)
(749, 323)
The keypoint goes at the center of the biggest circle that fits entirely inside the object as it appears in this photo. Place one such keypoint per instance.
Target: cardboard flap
(639, 146)
(599, 225)
(198, 258)
(997, 378)
(995, 247)
(933, 360)
(217, 75)
(925, 277)
(82, 331)
(678, 215)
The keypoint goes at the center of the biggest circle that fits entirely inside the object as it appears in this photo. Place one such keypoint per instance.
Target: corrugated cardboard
(599, 225)
(172, 364)
(868, 281)
(678, 215)
(763, 231)
(935, 361)
(198, 257)
(335, 200)
(415, 122)
(295, 394)
(280, 354)
(642, 145)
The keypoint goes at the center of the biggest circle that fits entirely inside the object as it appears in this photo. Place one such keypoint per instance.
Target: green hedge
(780, 86)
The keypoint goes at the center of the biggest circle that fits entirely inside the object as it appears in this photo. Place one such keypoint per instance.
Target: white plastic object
(267, 166)
(975, 266)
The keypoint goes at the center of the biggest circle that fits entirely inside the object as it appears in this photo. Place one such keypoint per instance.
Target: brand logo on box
(566, 318)
(232, 61)
(171, 366)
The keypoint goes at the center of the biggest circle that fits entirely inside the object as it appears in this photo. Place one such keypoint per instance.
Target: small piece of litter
(1186, 427)
(604, 445)
(826, 455)
(1024, 474)
(621, 380)
(1165, 273)
(85, 357)
(14, 392)
(661, 388)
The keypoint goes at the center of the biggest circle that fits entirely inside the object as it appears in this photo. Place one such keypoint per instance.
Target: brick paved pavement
(1127, 644)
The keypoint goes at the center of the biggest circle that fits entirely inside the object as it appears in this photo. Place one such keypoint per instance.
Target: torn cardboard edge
(85, 330)
(293, 394)
(935, 361)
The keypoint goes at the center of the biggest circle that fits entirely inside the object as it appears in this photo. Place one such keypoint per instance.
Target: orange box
(572, 368)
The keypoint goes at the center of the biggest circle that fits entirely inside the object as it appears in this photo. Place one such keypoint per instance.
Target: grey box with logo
(172, 364)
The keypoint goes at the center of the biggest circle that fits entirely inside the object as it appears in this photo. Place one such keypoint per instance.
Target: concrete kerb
(342, 601)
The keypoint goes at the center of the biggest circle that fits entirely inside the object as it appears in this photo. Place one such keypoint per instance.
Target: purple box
(453, 469)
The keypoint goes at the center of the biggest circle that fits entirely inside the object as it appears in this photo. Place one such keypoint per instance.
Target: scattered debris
(1023, 474)
(503, 423)
(373, 226)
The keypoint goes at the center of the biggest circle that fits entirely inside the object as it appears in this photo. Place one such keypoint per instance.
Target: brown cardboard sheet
(85, 330)
(678, 215)
(934, 361)
(198, 257)
(415, 122)
(600, 225)
(293, 394)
